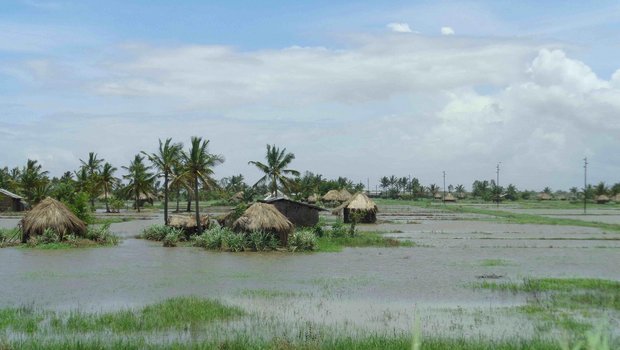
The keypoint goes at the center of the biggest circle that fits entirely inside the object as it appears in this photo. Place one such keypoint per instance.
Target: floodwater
(362, 288)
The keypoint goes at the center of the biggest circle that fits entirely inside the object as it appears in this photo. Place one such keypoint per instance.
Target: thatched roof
(602, 199)
(544, 196)
(263, 217)
(50, 213)
(337, 196)
(449, 198)
(616, 198)
(187, 222)
(359, 202)
(238, 196)
(314, 198)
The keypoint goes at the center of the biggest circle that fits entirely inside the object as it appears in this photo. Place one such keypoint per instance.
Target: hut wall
(10, 204)
(370, 217)
(299, 215)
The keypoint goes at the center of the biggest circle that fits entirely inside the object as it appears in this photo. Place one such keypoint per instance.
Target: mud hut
(187, 222)
(360, 203)
(602, 199)
(9, 201)
(298, 213)
(264, 217)
(449, 198)
(51, 214)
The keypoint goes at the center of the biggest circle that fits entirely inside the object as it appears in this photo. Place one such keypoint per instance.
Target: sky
(361, 89)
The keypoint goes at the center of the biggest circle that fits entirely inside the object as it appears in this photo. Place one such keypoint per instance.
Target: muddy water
(364, 288)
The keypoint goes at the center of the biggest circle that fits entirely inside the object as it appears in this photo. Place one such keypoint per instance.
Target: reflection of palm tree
(198, 165)
(140, 179)
(166, 158)
(275, 170)
(107, 181)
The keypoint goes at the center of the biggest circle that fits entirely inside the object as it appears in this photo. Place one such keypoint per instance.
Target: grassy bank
(360, 239)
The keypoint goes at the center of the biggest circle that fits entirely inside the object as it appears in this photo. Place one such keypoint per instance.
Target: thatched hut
(602, 199)
(188, 222)
(344, 195)
(237, 197)
(544, 196)
(51, 214)
(360, 205)
(314, 198)
(264, 217)
(145, 198)
(9, 201)
(449, 198)
(616, 198)
(337, 196)
(300, 214)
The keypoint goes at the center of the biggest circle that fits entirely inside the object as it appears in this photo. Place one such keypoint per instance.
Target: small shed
(449, 198)
(300, 214)
(544, 196)
(9, 201)
(265, 217)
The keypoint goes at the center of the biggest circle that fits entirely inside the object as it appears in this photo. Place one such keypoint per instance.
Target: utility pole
(444, 188)
(497, 185)
(585, 183)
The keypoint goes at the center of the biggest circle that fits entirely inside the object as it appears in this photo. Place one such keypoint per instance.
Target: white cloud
(410, 103)
(399, 27)
(447, 31)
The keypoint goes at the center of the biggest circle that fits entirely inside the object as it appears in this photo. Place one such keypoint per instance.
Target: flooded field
(357, 290)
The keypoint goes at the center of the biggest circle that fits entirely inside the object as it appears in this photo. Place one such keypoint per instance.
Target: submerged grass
(360, 239)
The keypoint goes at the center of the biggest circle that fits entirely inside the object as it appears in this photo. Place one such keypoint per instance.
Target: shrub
(9, 236)
(211, 238)
(80, 206)
(260, 240)
(49, 236)
(155, 232)
(172, 238)
(302, 240)
(339, 230)
(101, 234)
(235, 242)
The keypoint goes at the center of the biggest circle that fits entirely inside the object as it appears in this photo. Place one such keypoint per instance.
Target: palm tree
(198, 165)
(601, 189)
(92, 168)
(106, 180)
(460, 191)
(167, 157)
(433, 189)
(140, 179)
(31, 177)
(275, 169)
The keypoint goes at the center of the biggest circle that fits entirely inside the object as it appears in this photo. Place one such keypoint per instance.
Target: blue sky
(413, 84)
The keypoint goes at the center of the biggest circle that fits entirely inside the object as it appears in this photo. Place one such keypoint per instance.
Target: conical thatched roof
(314, 198)
(544, 196)
(332, 196)
(360, 202)
(187, 222)
(344, 195)
(449, 198)
(602, 199)
(50, 213)
(263, 217)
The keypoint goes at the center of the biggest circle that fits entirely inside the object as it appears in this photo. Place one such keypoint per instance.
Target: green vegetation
(96, 236)
(494, 262)
(165, 325)
(9, 237)
(565, 303)
(518, 218)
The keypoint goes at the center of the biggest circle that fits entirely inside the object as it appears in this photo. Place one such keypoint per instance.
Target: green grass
(494, 262)
(360, 239)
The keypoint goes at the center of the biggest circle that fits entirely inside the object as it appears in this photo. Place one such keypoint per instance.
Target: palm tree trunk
(189, 201)
(274, 187)
(166, 198)
(178, 197)
(138, 201)
(105, 194)
(198, 227)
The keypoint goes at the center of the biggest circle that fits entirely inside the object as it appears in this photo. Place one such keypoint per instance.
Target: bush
(259, 240)
(339, 230)
(235, 242)
(49, 236)
(101, 234)
(80, 206)
(172, 238)
(8, 236)
(302, 240)
(156, 232)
